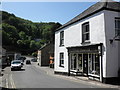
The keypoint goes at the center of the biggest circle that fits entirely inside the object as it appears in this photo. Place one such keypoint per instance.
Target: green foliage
(34, 54)
(25, 34)
(22, 35)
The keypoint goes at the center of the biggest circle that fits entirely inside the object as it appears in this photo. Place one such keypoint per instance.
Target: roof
(45, 45)
(112, 5)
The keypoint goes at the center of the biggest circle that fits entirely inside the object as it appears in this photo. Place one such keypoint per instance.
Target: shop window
(117, 26)
(73, 61)
(61, 38)
(85, 32)
(61, 59)
(94, 64)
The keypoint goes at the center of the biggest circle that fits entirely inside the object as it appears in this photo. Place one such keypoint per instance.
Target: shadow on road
(60, 89)
(18, 70)
(2, 88)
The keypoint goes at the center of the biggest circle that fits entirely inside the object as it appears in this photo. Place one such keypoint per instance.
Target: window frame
(61, 61)
(117, 27)
(62, 38)
(94, 64)
(85, 32)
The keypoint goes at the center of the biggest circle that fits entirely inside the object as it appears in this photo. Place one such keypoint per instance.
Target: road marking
(12, 82)
(6, 80)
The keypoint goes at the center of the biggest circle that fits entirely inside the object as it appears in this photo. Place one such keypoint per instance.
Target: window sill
(61, 66)
(61, 45)
(76, 70)
(85, 42)
(94, 75)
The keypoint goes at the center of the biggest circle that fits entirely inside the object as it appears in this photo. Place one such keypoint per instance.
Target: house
(3, 61)
(46, 54)
(89, 44)
(10, 54)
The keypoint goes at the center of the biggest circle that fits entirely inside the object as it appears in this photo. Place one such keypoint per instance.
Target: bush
(34, 54)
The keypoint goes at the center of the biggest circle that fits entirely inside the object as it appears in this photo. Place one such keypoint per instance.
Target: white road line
(6, 80)
(12, 82)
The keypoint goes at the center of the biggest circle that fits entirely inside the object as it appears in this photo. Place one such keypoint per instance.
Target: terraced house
(89, 44)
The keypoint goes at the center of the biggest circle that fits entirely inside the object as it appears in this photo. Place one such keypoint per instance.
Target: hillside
(25, 35)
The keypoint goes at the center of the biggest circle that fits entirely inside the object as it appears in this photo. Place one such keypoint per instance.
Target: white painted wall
(58, 50)
(112, 59)
(73, 37)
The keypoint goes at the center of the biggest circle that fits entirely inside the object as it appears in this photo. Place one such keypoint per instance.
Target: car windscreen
(16, 62)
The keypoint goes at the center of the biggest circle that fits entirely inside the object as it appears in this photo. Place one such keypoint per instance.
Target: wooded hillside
(26, 35)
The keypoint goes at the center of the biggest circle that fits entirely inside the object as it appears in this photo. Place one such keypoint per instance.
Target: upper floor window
(85, 32)
(117, 26)
(61, 38)
(61, 59)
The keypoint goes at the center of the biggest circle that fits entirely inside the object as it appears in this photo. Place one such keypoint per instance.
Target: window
(94, 64)
(73, 61)
(61, 38)
(85, 32)
(117, 26)
(61, 59)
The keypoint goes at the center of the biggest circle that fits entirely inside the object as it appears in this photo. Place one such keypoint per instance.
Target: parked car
(28, 62)
(22, 58)
(34, 60)
(16, 64)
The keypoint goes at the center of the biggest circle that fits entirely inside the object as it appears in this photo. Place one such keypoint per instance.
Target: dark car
(22, 58)
(28, 62)
(34, 60)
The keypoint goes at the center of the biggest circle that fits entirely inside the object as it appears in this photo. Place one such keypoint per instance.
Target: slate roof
(113, 6)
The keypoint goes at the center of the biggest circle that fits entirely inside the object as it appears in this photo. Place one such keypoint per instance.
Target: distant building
(3, 61)
(46, 54)
(89, 45)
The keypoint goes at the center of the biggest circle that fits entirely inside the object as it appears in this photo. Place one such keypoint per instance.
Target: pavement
(50, 71)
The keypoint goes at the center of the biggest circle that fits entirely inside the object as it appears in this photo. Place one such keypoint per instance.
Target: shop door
(85, 64)
(80, 63)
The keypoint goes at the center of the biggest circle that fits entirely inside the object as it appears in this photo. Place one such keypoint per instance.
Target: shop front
(85, 60)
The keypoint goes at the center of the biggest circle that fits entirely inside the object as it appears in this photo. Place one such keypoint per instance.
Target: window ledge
(61, 66)
(61, 45)
(94, 75)
(85, 42)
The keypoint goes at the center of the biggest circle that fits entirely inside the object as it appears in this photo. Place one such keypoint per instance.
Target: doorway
(85, 64)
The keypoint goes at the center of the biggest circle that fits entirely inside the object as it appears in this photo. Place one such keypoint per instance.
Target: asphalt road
(33, 77)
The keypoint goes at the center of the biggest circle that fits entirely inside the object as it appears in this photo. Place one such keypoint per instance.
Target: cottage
(46, 54)
(89, 44)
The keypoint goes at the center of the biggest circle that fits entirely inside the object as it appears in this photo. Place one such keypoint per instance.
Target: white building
(88, 44)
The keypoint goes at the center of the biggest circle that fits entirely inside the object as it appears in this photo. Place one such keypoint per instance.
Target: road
(31, 76)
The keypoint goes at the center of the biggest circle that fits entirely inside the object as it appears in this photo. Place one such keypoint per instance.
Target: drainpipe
(68, 63)
(101, 54)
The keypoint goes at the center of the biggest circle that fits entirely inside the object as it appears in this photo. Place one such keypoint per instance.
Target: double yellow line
(12, 82)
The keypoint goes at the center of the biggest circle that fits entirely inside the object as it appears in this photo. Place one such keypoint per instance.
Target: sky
(60, 12)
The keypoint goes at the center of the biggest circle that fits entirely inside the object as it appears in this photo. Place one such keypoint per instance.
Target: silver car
(16, 64)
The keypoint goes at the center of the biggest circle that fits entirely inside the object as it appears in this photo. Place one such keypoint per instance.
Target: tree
(32, 44)
(10, 32)
(22, 35)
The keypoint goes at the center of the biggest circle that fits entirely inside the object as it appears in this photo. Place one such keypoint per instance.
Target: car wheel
(11, 69)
